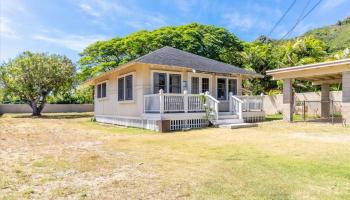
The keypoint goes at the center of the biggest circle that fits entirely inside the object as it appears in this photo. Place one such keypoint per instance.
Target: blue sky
(67, 26)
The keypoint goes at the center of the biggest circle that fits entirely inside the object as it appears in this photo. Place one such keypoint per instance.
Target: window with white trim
(168, 82)
(199, 84)
(102, 90)
(225, 86)
(125, 88)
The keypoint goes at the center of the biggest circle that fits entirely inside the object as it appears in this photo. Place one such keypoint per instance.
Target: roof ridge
(202, 57)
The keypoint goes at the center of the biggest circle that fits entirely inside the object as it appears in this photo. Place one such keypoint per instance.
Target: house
(170, 89)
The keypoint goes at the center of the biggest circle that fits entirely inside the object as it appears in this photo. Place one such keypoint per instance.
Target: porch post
(161, 101)
(288, 100)
(345, 111)
(239, 86)
(230, 102)
(325, 101)
(185, 101)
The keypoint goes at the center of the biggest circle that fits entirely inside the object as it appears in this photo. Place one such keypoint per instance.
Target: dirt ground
(68, 156)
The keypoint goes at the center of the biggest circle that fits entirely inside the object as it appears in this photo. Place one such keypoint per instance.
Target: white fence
(49, 108)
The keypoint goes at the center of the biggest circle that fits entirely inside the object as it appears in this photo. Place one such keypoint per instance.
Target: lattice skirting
(188, 124)
(129, 122)
(253, 119)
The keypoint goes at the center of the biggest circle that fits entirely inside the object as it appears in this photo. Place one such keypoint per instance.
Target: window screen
(104, 90)
(159, 82)
(232, 86)
(205, 85)
(174, 83)
(195, 85)
(121, 89)
(221, 85)
(128, 87)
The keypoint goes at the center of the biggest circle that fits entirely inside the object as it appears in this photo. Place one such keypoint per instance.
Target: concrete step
(228, 116)
(228, 121)
(238, 125)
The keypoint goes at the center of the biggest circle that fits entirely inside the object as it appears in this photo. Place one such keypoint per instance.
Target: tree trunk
(37, 107)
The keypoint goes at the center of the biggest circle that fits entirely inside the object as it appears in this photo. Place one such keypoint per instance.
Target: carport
(322, 74)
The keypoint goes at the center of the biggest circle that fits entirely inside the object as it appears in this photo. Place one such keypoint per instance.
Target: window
(195, 85)
(232, 86)
(159, 82)
(221, 85)
(174, 83)
(167, 82)
(128, 87)
(125, 88)
(102, 90)
(121, 89)
(205, 85)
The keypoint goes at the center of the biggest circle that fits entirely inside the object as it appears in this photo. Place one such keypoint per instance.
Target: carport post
(325, 100)
(345, 110)
(287, 100)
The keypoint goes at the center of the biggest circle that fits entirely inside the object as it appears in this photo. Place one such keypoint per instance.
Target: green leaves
(33, 76)
(208, 41)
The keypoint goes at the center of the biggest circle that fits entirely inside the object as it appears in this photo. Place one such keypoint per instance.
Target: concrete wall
(49, 108)
(273, 104)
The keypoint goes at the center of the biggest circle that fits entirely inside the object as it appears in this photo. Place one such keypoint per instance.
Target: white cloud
(331, 4)
(235, 20)
(88, 9)
(6, 29)
(105, 11)
(73, 42)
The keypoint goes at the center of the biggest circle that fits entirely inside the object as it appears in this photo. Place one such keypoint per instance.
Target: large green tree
(204, 40)
(34, 76)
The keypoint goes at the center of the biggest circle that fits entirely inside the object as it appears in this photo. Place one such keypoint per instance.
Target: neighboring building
(170, 89)
(323, 74)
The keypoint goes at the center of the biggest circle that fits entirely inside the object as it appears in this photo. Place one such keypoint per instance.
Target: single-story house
(170, 89)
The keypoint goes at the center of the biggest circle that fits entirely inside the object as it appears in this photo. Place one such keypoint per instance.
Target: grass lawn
(68, 156)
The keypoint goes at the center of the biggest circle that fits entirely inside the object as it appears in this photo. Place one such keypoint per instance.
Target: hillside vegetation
(337, 36)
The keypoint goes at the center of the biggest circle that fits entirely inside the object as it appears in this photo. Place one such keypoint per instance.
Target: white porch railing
(235, 106)
(251, 103)
(173, 103)
(212, 105)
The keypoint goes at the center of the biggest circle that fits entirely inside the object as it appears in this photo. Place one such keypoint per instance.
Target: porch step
(228, 121)
(228, 116)
(239, 125)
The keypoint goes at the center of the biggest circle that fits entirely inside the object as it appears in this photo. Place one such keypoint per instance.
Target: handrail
(212, 98)
(237, 99)
(236, 105)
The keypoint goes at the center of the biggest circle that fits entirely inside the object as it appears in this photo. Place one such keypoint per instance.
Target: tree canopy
(33, 76)
(204, 40)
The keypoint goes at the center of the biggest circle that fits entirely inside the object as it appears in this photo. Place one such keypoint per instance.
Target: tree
(209, 41)
(34, 76)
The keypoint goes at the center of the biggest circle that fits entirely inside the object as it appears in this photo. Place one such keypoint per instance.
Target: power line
(301, 14)
(282, 17)
(298, 21)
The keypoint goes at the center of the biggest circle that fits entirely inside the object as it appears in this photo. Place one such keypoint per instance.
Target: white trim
(133, 88)
(200, 76)
(167, 79)
(96, 91)
(226, 78)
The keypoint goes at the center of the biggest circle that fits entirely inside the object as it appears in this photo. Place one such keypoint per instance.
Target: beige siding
(142, 86)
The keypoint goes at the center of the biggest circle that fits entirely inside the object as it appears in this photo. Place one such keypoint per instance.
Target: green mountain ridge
(336, 37)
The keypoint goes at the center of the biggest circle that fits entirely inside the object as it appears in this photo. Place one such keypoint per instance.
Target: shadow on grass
(56, 116)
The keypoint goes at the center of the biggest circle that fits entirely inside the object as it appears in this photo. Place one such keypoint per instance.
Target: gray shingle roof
(175, 57)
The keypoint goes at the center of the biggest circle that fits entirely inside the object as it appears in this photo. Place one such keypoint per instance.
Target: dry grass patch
(71, 157)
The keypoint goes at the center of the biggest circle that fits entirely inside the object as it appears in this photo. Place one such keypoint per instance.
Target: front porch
(237, 109)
